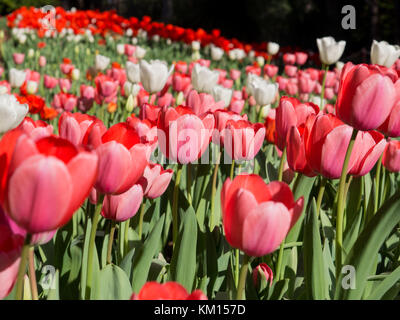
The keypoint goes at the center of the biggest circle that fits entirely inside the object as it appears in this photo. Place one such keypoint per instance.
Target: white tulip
(169, 41)
(140, 52)
(384, 54)
(272, 48)
(237, 54)
(132, 72)
(339, 65)
(11, 112)
(3, 89)
(265, 110)
(204, 79)
(31, 53)
(216, 53)
(252, 81)
(75, 74)
(195, 45)
(260, 60)
(330, 51)
(16, 77)
(129, 32)
(31, 87)
(101, 62)
(154, 75)
(120, 48)
(265, 93)
(221, 93)
(196, 55)
(22, 38)
(156, 38)
(131, 88)
(134, 40)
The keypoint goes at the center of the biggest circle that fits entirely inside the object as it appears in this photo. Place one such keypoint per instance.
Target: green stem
(92, 245)
(32, 274)
(214, 190)
(377, 183)
(237, 267)
(281, 164)
(110, 242)
(232, 168)
(341, 206)
(175, 204)
(127, 224)
(141, 216)
(321, 193)
(189, 182)
(325, 68)
(242, 279)
(22, 267)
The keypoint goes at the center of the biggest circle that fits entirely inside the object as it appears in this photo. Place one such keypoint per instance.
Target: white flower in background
(31, 53)
(22, 38)
(101, 62)
(264, 93)
(31, 87)
(169, 41)
(330, 51)
(120, 48)
(132, 71)
(272, 48)
(134, 40)
(251, 55)
(140, 52)
(156, 38)
(131, 88)
(195, 45)
(265, 110)
(154, 75)
(16, 77)
(252, 81)
(339, 65)
(11, 112)
(237, 54)
(75, 74)
(317, 100)
(130, 103)
(384, 54)
(129, 32)
(3, 89)
(221, 93)
(180, 98)
(216, 53)
(260, 60)
(204, 79)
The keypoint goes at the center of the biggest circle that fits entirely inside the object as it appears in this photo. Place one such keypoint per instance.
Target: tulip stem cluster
(341, 206)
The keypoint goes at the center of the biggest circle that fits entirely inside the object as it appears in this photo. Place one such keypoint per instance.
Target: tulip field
(145, 161)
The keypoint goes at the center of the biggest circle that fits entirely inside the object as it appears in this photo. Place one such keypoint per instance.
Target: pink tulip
(106, 89)
(155, 180)
(50, 82)
(180, 81)
(45, 185)
(282, 82)
(301, 58)
(122, 159)
(65, 84)
(36, 129)
(227, 83)
(306, 84)
(236, 106)
(289, 58)
(85, 101)
(129, 50)
(292, 88)
(391, 156)
(271, 70)
(73, 126)
(258, 216)
(266, 272)
(117, 74)
(221, 119)
(234, 74)
(145, 129)
(166, 100)
(42, 61)
(290, 70)
(123, 206)
(64, 101)
(202, 103)
(18, 58)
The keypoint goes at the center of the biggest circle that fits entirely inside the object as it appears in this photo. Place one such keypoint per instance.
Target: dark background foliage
(288, 22)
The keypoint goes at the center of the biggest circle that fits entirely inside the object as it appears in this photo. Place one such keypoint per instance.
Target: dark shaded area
(288, 22)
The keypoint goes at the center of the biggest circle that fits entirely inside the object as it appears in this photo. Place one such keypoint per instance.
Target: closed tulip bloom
(291, 112)
(149, 112)
(10, 257)
(106, 89)
(18, 58)
(16, 77)
(180, 82)
(257, 216)
(36, 129)
(263, 271)
(122, 159)
(243, 139)
(236, 106)
(368, 147)
(123, 206)
(101, 62)
(301, 58)
(133, 72)
(42, 61)
(366, 96)
(296, 147)
(221, 119)
(282, 82)
(49, 82)
(140, 52)
(271, 70)
(272, 48)
(289, 58)
(203, 102)
(391, 156)
(264, 93)
(216, 53)
(86, 99)
(269, 125)
(222, 94)
(384, 54)
(120, 48)
(155, 180)
(292, 87)
(306, 84)
(183, 136)
(167, 291)
(73, 126)
(64, 101)
(45, 185)
(204, 79)
(330, 51)
(327, 145)
(154, 75)
(65, 84)
(129, 50)
(11, 112)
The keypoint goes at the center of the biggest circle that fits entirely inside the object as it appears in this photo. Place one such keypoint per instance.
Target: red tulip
(391, 156)
(257, 216)
(221, 118)
(167, 291)
(122, 159)
(289, 58)
(180, 81)
(149, 112)
(73, 126)
(265, 271)
(64, 101)
(49, 82)
(45, 185)
(366, 96)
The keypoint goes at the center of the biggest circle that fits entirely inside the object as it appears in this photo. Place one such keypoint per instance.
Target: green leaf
(144, 255)
(113, 284)
(54, 291)
(183, 264)
(367, 246)
(385, 285)
(314, 264)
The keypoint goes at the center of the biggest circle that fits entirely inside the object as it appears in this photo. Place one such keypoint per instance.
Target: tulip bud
(130, 104)
(120, 48)
(76, 49)
(179, 98)
(265, 273)
(31, 53)
(42, 61)
(112, 107)
(260, 61)
(31, 87)
(75, 74)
